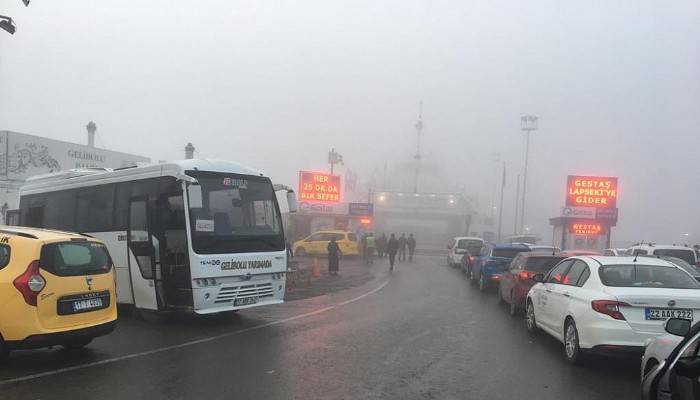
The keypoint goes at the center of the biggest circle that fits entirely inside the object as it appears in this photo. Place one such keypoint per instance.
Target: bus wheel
(77, 343)
(4, 350)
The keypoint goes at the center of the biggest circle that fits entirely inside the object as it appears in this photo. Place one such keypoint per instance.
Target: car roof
(510, 246)
(542, 254)
(661, 246)
(38, 233)
(628, 260)
(468, 237)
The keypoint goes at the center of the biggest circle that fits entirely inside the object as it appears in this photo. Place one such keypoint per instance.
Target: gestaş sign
(591, 191)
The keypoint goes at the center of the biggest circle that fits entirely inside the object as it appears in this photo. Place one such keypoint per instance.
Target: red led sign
(591, 191)
(319, 187)
(586, 228)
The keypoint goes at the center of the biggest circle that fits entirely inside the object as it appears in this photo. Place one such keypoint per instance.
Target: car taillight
(30, 283)
(524, 275)
(609, 307)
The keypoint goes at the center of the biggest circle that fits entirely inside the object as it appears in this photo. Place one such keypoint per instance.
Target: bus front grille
(230, 293)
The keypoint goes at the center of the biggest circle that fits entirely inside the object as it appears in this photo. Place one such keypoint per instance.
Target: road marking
(187, 344)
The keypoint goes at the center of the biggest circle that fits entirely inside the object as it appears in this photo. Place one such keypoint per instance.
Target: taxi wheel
(530, 320)
(301, 252)
(77, 344)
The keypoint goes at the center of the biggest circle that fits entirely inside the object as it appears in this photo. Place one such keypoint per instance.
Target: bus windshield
(238, 214)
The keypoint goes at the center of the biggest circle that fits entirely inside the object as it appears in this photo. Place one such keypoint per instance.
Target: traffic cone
(315, 269)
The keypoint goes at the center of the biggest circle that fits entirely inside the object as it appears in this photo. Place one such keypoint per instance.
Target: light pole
(334, 158)
(528, 123)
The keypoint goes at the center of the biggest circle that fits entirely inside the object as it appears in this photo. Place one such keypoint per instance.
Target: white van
(462, 245)
(687, 254)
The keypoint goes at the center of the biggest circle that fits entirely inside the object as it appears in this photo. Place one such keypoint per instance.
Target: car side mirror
(538, 278)
(678, 326)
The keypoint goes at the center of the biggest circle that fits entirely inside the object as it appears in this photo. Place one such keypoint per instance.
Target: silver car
(671, 363)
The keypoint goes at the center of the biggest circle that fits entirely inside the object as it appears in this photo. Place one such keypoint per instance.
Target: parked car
(610, 303)
(493, 259)
(614, 252)
(686, 253)
(56, 288)
(317, 243)
(671, 363)
(461, 246)
(516, 280)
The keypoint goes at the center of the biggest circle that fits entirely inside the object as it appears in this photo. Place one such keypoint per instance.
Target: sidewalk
(301, 284)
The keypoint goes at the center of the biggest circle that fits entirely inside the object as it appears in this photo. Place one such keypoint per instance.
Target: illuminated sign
(591, 191)
(586, 228)
(319, 187)
(366, 221)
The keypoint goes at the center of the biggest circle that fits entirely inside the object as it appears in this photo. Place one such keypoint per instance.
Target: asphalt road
(421, 333)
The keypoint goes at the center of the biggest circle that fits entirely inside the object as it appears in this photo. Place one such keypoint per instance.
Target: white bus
(196, 235)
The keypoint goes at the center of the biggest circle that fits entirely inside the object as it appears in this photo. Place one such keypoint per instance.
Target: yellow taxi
(56, 288)
(317, 243)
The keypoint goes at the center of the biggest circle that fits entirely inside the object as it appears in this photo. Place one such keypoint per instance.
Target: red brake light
(609, 307)
(524, 275)
(30, 283)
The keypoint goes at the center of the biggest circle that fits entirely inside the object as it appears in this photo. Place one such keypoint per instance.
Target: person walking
(333, 257)
(371, 246)
(381, 245)
(411, 242)
(392, 247)
(402, 247)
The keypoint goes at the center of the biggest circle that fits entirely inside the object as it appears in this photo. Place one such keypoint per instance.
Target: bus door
(170, 233)
(142, 255)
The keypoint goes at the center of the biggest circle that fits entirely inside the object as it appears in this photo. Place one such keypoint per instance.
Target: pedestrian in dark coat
(381, 245)
(333, 257)
(391, 248)
(411, 242)
(402, 247)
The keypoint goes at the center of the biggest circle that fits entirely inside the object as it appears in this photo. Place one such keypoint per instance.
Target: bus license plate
(83, 305)
(245, 301)
(663, 314)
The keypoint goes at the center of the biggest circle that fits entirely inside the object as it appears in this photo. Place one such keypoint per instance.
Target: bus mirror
(292, 202)
(194, 193)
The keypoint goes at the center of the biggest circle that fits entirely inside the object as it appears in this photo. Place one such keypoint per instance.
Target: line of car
(642, 301)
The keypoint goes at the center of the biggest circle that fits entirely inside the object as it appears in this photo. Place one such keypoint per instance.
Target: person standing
(381, 245)
(402, 247)
(371, 246)
(392, 247)
(333, 257)
(411, 242)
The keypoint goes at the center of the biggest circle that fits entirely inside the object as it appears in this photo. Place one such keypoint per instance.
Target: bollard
(315, 269)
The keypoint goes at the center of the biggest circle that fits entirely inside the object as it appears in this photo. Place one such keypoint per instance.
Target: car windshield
(646, 276)
(75, 258)
(238, 214)
(541, 264)
(508, 252)
(687, 255)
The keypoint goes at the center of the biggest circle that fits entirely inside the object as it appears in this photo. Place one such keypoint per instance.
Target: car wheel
(530, 320)
(77, 343)
(572, 351)
(513, 307)
(501, 300)
(472, 278)
(482, 283)
(301, 252)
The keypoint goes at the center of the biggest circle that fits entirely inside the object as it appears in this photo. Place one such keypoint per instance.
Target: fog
(276, 85)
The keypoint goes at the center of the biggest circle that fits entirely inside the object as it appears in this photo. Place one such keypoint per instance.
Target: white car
(686, 254)
(598, 303)
(614, 252)
(463, 245)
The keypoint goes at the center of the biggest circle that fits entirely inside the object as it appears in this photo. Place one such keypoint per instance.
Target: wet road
(421, 333)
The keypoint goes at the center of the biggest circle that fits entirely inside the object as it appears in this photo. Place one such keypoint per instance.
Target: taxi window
(4, 255)
(75, 258)
(352, 237)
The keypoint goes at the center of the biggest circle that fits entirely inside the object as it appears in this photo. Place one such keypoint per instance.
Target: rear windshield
(646, 276)
(75, 258)
(687, 255)
(541, 264)
(508, 253)
(472, 246)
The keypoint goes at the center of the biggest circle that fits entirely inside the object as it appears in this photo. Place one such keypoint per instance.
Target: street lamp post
(334, 158)
(528, 123)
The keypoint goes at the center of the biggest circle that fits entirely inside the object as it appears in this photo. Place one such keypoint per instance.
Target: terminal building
(23, 155)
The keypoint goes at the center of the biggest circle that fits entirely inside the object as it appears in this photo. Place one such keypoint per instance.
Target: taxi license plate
(88, 304)
(663, 314)
(245, 301)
